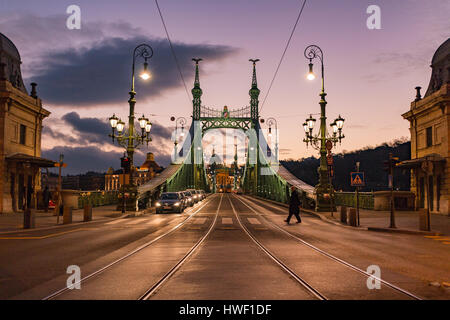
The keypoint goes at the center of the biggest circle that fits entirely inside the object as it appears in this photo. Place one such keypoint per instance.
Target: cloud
(91, 67)
(83, 159)
(101, 74)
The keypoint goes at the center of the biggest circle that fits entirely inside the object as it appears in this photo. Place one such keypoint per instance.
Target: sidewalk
(406, 220)
(14, 221)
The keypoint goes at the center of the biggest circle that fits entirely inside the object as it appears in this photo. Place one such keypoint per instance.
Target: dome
(440, 65)
(10, 57)
(8, 47)
(441, 53)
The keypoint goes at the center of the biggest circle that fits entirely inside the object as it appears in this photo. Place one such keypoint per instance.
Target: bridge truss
(262, 175)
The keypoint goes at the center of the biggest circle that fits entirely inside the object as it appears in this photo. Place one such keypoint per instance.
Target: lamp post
(314, 52)
(133, 139)
(182, 122)
(270, 123)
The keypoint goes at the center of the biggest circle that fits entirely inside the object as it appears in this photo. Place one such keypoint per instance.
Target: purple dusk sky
(83, 75)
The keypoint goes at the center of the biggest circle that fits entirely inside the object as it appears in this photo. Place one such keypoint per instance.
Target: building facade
(114, 179)
(21, 116)
(429, 119)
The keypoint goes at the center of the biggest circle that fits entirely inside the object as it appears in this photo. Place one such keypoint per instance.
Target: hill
(371, 163)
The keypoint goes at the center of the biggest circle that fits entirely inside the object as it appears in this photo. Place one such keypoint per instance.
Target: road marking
(442, 239)
(156, 221)
(446, 242)
(199, 220)
(44, 237)
(432, 237)
(115, 221)
(227, 220)
(253, 221)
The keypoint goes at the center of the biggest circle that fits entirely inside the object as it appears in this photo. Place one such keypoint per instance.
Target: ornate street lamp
(132, 139)
(314, 52)
(182, 122)
(270, 123)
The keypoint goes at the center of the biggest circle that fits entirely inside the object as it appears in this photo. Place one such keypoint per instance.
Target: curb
(134, 214)
(57, 226)
(405, 231)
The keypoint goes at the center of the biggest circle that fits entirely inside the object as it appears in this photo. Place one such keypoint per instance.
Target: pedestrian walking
(294, 206)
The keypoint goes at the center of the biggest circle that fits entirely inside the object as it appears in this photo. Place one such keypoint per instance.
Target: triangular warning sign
(357, 180)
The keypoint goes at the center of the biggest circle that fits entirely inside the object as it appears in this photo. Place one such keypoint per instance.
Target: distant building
(89, 181)
(21, 118)
(71, 182)
(114, 179)
(429, 119)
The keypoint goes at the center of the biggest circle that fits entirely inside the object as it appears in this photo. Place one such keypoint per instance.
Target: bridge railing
(97, 198)
(348, 199)
(207, 112)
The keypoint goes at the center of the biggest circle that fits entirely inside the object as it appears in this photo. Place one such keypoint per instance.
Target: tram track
(314, 292)
(177, 266)
(327, 254)
(131, 253)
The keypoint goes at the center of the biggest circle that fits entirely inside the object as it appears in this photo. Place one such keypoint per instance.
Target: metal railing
(348, 199)
(207, 112)
(97, 198)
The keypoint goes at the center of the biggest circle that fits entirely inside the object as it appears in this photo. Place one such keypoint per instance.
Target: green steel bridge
(262, 176)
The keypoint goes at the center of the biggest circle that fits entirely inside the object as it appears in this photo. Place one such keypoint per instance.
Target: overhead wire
(284, 53)
(172, 50)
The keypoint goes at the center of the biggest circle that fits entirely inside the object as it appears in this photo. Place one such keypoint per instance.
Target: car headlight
(195, 197)
(158, 204)
(176, 204)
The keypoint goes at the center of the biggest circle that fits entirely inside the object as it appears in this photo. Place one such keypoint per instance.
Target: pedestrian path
(199, 220)
(253, 221)
(227, 220)
(407, 220)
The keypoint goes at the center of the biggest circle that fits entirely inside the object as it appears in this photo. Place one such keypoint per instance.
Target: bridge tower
(196, 92)
(197, 163)
(254, 114)
(254, 94)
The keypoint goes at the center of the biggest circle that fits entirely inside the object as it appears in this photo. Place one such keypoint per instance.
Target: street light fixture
(132, 140)
(270, 123)
(311, 76)
(320, 140)
(182, 122)
(145, 75)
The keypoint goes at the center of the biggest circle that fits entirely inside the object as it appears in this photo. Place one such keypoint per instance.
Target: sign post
(357, 180)
(59, 164)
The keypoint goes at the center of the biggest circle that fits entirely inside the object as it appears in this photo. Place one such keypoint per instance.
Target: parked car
(184, 199)
(195, 196)
(199, 195)
(189, 197)
(169, 201)
(203, 193)
(51, 204)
